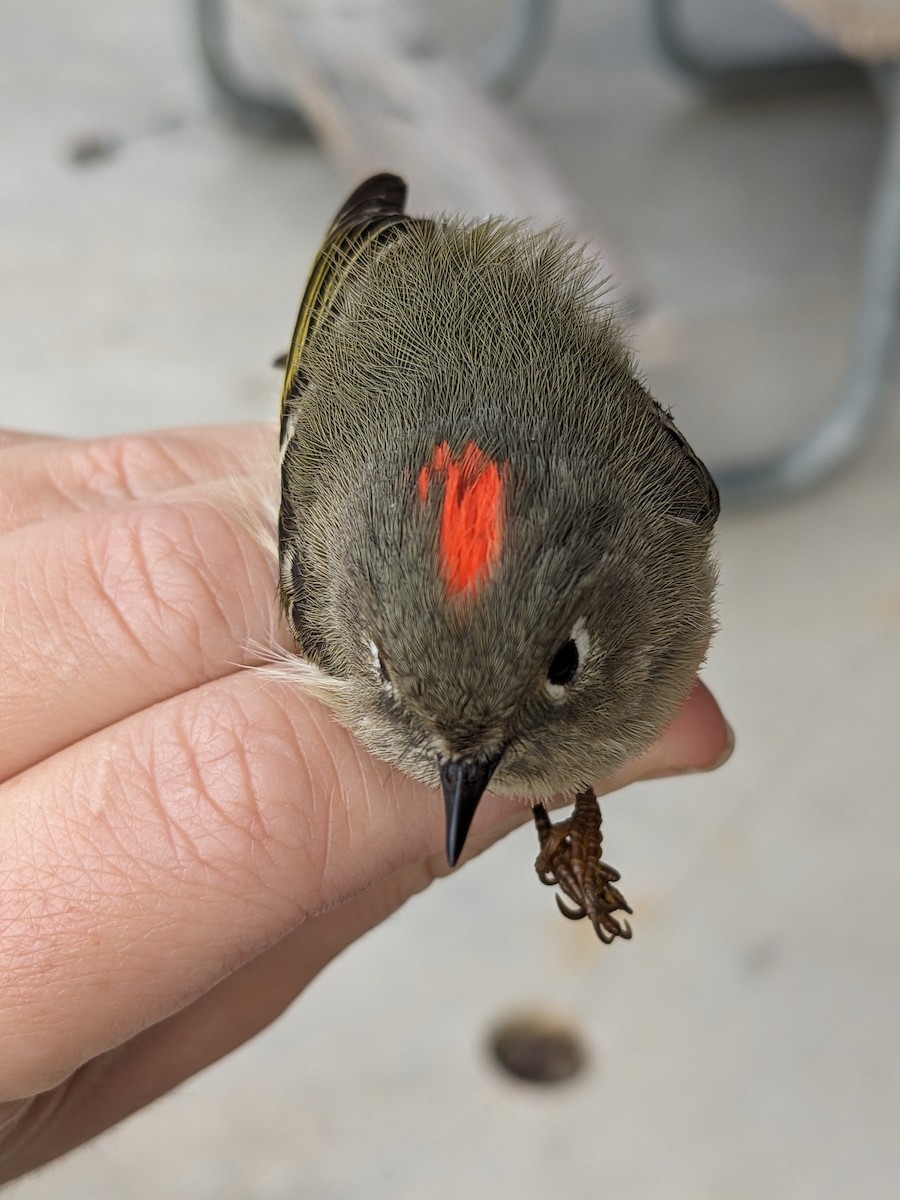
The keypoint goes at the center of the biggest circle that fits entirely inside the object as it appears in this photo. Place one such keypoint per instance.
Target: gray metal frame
(251, 108)
(674, 42)
(512, 55)
(865, 399)
(508, 62)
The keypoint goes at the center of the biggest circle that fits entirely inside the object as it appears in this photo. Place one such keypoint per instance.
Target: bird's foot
(570, 860)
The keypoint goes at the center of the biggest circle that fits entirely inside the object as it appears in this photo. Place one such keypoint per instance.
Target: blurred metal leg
(251, 108)
(741, 77)
(511, 57)
(866, 399)
(509, 60)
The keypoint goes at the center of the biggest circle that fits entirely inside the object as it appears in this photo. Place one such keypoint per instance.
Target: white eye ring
(582, 640)
(383, 678)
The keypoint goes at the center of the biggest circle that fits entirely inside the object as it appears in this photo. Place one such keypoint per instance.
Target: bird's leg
(570, 860)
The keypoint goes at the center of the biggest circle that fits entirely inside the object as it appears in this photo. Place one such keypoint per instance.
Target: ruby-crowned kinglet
(494, 544)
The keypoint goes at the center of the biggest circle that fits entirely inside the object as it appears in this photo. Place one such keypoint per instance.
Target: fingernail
(726, 752)
(723, 758)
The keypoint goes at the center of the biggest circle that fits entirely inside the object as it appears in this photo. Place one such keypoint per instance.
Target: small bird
(494, 545)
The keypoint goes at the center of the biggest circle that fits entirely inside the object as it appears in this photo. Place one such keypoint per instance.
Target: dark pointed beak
(463, 781)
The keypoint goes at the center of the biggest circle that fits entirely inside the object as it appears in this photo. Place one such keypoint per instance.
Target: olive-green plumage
(416, 334)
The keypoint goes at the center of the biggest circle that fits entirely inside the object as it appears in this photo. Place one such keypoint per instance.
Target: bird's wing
(707, 507)
(375, 210)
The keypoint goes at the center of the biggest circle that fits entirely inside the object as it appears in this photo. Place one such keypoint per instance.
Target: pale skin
(183, 845)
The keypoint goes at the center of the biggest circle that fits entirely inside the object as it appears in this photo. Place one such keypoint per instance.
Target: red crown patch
(471, 513)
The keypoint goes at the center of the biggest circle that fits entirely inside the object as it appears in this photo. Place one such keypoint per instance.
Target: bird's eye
(567, 661)
(565, 664)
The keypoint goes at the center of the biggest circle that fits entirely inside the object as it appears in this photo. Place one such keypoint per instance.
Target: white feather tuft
(279, 662)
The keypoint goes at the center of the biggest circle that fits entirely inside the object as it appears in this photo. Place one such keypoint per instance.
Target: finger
(107, 1089)
(147, 864)
(41, 480)
(21, 437)
(699, 739)
(132, 1075)
(111, 612)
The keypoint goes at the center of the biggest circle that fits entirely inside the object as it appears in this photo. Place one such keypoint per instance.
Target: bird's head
(511, 621)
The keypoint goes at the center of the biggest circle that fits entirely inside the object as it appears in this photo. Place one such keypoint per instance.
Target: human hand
(184, 845)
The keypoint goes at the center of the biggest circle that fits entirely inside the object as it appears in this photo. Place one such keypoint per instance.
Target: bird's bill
(464, 781)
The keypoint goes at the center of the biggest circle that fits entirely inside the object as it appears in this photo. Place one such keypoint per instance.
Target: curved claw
(609, 930)
(571, 914)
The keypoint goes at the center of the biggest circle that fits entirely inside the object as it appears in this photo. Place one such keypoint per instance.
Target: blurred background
(746, 1043)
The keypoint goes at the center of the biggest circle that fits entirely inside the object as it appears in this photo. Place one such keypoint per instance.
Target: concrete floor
(747, 1042)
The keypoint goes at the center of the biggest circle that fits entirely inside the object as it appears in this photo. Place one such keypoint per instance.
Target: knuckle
(169, 577)
(179, 840)
(129, 466)
(219, 783)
